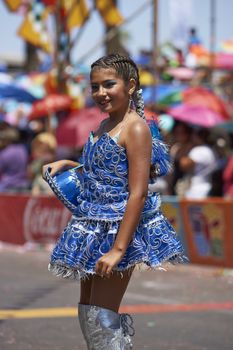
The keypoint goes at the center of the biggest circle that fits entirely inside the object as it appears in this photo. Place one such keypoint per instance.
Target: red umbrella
(75, 128)
(198, 115)
(201, 97)
(50, 104)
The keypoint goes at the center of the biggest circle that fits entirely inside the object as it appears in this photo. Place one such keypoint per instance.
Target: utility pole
(31, 58)
(61, 56)
(212, 37)
(154, 44)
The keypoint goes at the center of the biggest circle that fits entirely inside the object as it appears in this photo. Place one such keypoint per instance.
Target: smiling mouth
(104, 103)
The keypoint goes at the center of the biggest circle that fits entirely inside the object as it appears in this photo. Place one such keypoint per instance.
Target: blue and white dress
(102, 200)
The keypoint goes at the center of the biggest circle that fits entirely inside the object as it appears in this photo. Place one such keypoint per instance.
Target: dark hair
(127, 69)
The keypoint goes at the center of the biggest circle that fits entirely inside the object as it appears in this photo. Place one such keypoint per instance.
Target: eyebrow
(105, 81)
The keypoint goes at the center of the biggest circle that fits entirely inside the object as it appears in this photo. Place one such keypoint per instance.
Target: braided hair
(126, 69)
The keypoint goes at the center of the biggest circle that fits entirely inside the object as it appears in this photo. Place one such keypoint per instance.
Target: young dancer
(117, 222)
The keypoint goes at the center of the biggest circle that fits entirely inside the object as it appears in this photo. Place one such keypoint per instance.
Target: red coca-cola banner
(206, 229)
(31, 219)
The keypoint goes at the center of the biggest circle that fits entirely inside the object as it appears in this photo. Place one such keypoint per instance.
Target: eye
(109, 84)
(94, 88)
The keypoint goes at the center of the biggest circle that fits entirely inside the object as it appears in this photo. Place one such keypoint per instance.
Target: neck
(119, 116)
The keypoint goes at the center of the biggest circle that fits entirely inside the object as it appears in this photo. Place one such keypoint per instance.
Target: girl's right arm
(58, 166)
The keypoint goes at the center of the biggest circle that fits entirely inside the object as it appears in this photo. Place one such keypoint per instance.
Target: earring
(131, 102)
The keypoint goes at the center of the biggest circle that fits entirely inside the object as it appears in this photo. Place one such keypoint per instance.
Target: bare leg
(103, 328)
(85, 290)
(83, 308)
(108, 292)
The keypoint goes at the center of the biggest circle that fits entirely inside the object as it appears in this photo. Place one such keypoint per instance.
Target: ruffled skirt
(83, 242)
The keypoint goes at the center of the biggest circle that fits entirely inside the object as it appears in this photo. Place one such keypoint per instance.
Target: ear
(132, 86)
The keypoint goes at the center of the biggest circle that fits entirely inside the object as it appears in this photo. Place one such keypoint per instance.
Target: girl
(117, 222)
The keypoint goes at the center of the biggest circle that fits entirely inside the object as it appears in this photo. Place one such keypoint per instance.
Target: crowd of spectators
(199, 159)
(202, 162)
(21, 159)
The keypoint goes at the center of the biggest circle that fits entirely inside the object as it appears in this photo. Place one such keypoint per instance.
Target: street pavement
(187, 307)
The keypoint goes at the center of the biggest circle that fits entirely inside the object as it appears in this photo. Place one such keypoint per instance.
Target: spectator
(193, 38)
(43, 151)
(199, 164)
(182, 144)
(13, 161)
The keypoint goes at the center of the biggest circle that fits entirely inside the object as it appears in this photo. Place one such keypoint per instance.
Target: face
(109, 91)
(181, 134)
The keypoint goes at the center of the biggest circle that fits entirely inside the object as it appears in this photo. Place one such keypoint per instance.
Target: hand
(107, 262)
(54, 167)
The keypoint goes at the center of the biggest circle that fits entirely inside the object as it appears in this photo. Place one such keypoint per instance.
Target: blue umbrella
(142, 60)
(152, 94)
(19, 94)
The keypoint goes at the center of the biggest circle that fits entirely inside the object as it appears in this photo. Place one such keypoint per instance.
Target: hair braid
(127, 69)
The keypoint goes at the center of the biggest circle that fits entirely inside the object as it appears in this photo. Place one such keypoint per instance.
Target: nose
(102, 91)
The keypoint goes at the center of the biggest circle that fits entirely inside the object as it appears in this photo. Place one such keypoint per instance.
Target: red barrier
(205, 226)
(35, 219)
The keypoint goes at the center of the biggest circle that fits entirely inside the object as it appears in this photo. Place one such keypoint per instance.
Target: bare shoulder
(136, 128)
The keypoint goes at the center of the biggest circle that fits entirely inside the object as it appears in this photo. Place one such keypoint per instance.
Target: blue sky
(140, 29)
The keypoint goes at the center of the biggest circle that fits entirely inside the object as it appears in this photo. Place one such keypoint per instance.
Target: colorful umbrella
(201, 97)
(156, 93)
(50, 104)
(197, 115)
(74, 130)
(224, 60)
(146, 78)
(171, 99)
(16, 93)
(5, 78)
(33, 83)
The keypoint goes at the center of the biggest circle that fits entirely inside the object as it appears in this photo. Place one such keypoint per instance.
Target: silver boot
(109, 330)
(83, 318)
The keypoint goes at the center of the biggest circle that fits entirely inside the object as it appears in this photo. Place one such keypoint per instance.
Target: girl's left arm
(138, 145)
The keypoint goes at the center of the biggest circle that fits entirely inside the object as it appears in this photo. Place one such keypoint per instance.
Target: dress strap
(91, 136)
(117, 135)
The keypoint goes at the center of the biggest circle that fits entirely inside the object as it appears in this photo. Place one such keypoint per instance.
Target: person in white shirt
(199, 164)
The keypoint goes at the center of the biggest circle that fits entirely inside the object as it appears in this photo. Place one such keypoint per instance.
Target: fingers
(52, 169)
(103, 269)
(45, 168)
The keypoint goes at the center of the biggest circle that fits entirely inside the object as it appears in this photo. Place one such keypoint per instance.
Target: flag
(109, 12)
(77, 12)
(13, 5)
(33, 30)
